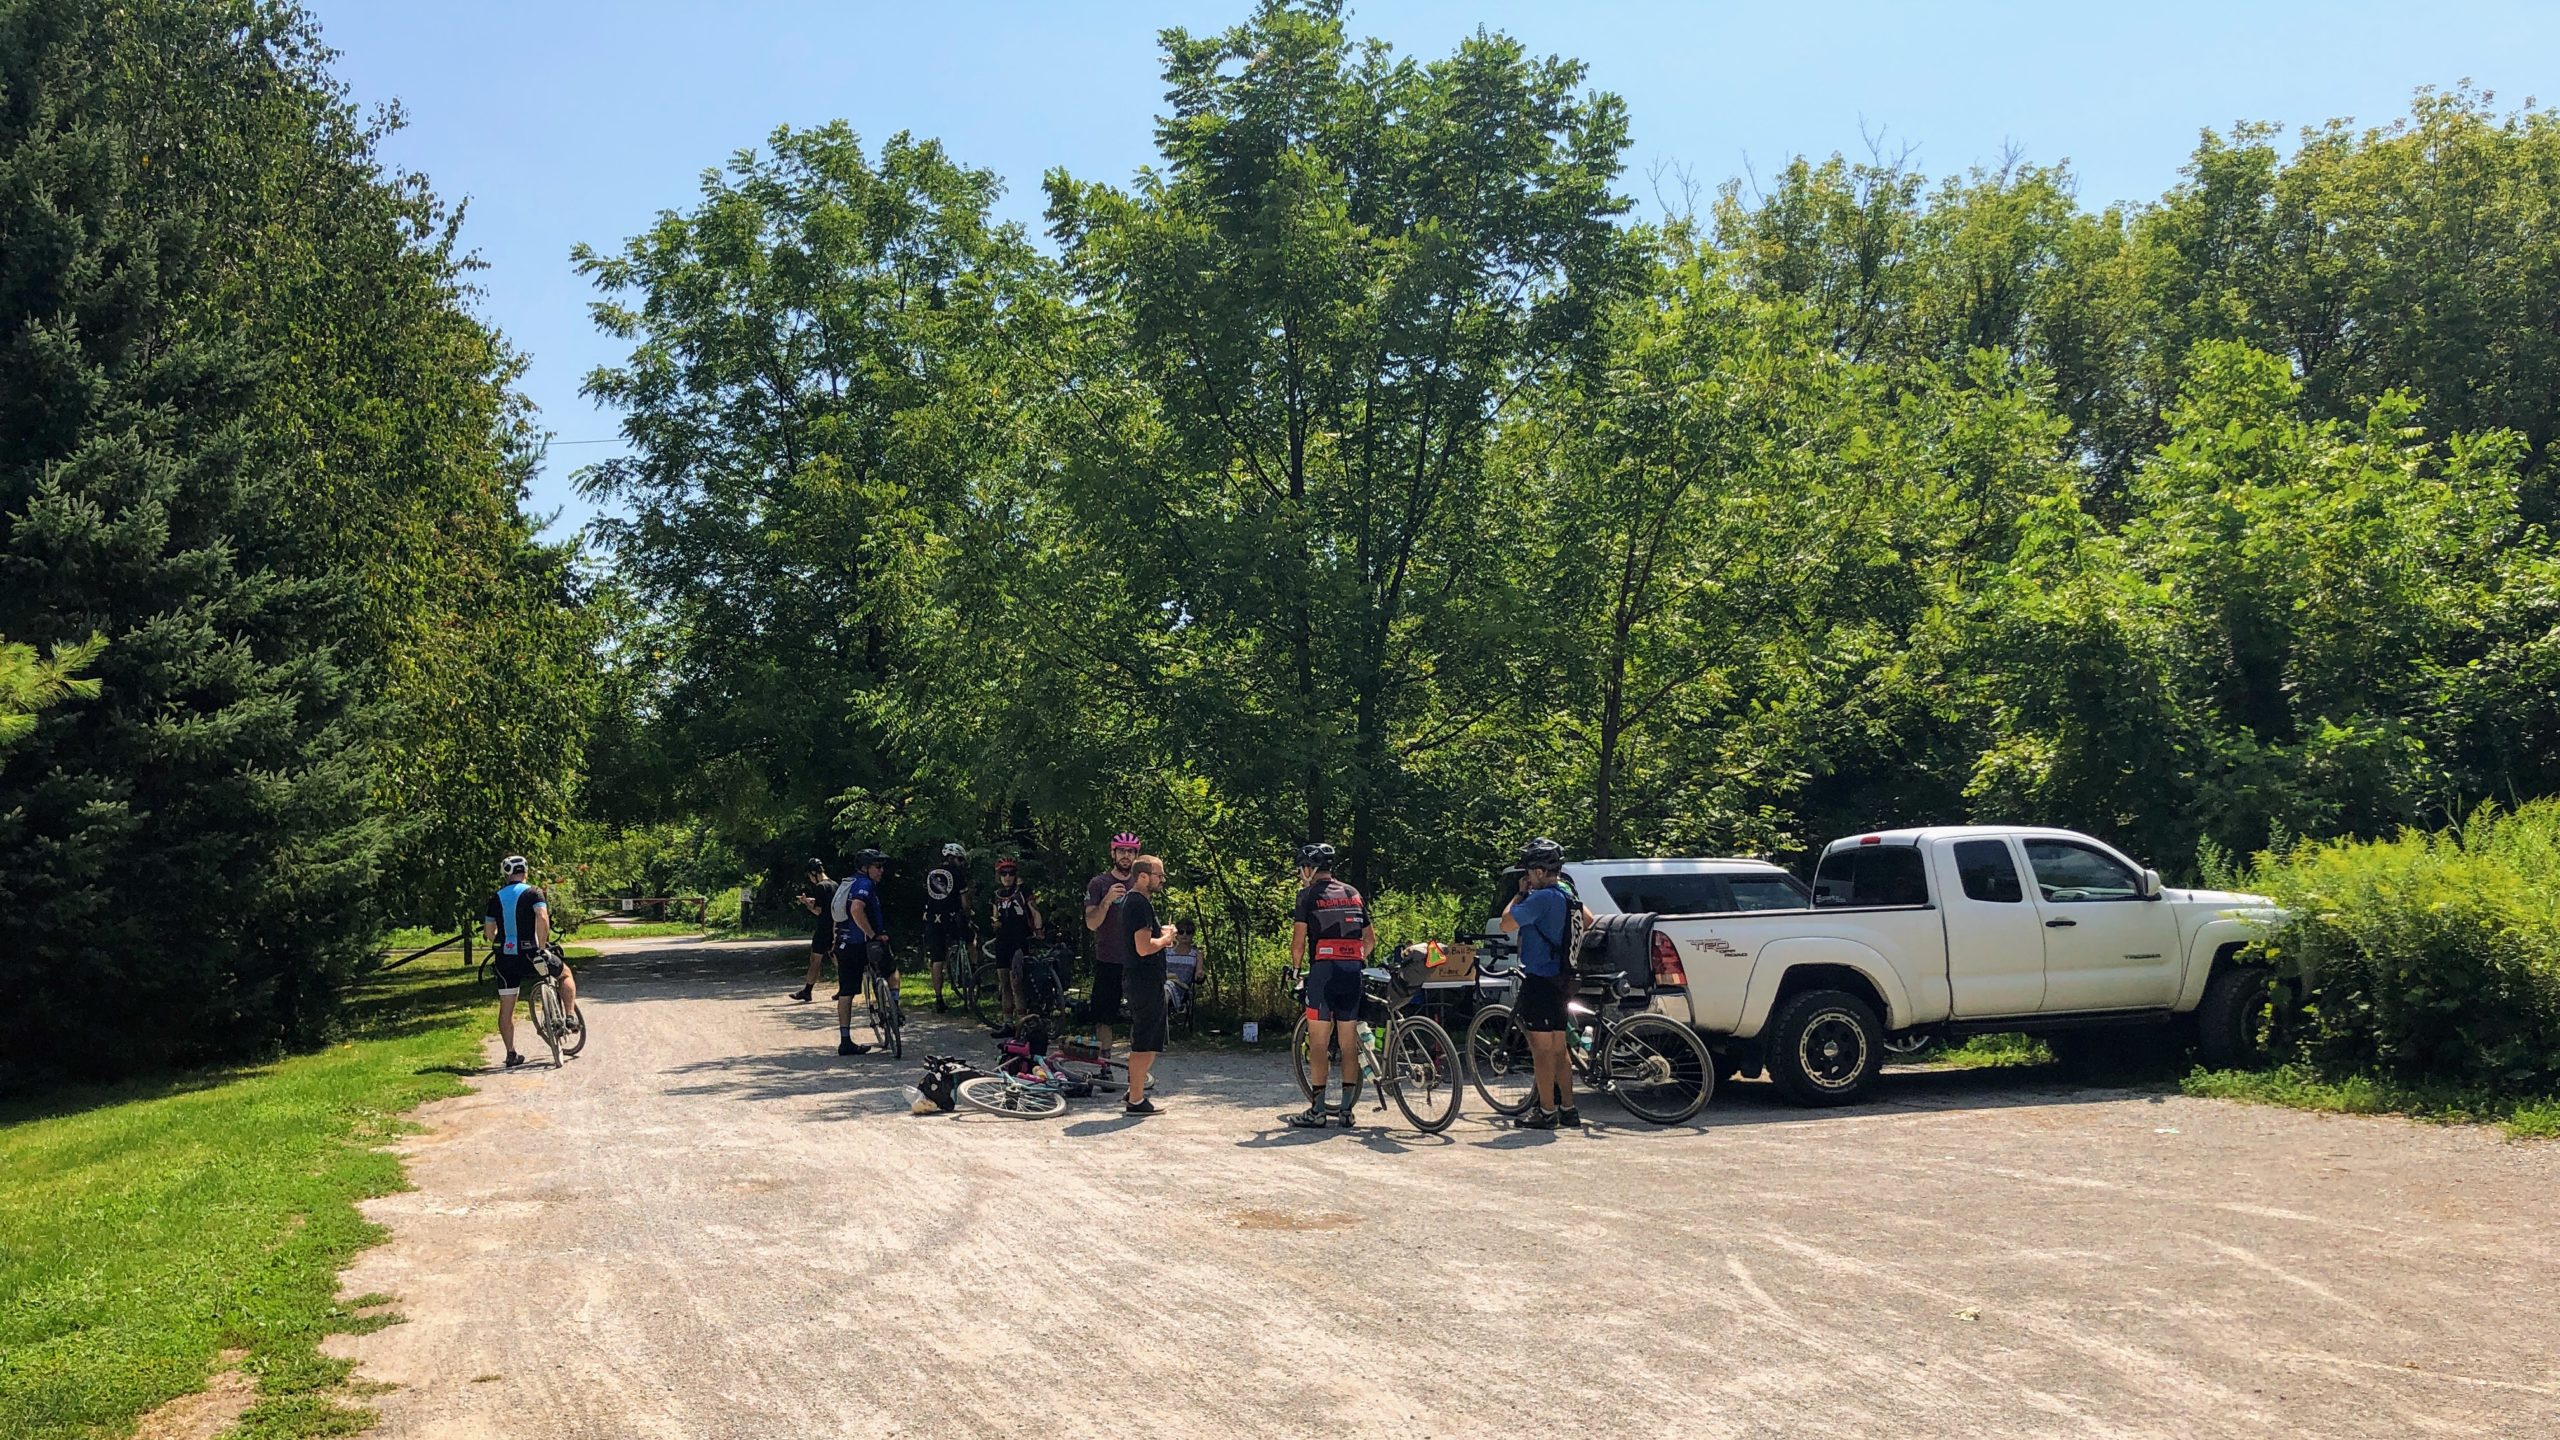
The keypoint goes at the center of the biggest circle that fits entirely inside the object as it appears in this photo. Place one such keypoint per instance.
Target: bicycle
(1656, 1067)
(1032, 1081)
(563, 1032)
(888, 1017)
(1412, 1060)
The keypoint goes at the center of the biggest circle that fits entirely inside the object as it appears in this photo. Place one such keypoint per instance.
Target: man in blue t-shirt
(1541, 914)
(862, 942)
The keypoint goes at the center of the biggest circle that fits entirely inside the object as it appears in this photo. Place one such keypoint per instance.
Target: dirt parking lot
(711, 1226)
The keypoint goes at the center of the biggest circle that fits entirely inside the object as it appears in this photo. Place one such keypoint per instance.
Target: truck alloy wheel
(1827, 1048)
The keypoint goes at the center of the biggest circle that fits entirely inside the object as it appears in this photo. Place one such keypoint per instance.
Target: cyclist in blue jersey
(517, 924)
(1541, 914)
(862, 942)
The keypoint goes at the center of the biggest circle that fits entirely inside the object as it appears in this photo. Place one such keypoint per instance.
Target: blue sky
(567, 122)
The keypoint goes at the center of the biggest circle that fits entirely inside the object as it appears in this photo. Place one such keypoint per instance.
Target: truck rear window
(1871, 875)
(1702, 893)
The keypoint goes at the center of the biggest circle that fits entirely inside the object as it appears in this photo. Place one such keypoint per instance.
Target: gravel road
(711, 1226)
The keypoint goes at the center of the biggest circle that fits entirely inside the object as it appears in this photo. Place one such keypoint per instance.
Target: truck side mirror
(2150, 884)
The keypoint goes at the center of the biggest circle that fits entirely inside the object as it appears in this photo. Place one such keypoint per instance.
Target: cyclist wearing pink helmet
(1102, 897)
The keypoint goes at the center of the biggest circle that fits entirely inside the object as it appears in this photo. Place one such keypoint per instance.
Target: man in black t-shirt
(818, 898)
(1103, 895)
(1141, 944)
(946, 912)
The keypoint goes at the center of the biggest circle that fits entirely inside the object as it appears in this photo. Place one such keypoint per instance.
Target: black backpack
(942, 1077)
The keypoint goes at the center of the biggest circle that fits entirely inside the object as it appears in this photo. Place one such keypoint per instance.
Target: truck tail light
(1667, 969)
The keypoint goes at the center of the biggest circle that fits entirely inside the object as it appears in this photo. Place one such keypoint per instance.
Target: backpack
(939, 1090)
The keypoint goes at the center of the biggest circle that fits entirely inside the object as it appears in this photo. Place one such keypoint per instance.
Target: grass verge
(2298, 1088)
(145, 1227)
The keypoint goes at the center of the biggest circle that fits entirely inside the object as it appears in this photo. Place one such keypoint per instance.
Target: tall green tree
(252, 439)
(1340, 280)
(810, 360)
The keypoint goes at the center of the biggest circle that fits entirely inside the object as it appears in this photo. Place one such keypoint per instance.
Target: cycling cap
(1008, 867)
(1542, 854)
(869, 857)
(954, 848)
(1316, 853)
(1124, 841)
(513, 865)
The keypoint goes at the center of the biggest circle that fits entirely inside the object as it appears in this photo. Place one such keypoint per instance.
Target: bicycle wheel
(574, 1037)
(886, 1024)
(1498, 1061)
(1001, 1095)
(1298, 1053)
(1659, 1069)
(546, 1019)
(1422, 1073)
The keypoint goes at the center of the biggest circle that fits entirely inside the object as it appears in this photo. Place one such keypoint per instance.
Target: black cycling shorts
(1540, 1007)
(1106, 994)
(1333, 990)
(941, 935)
(514, 972)
(857, 957)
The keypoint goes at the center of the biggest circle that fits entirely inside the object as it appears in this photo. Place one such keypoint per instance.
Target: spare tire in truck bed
(1618, 947)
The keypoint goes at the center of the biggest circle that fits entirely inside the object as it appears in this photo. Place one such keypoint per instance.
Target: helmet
(1542, 854)
(953, 850)
(1008, 866)
(869, 858)
(1124, 841)
(1316, 854)
(512, 866)
(817, 865)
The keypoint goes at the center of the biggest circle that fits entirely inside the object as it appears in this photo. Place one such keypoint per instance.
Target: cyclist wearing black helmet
(946, 913)
(1330, 936)
(818, 898)
(517, 924)
(862, 942)
(1017, 922)
(1541, 914)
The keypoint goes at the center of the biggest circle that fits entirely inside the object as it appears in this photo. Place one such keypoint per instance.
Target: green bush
(2427, 958)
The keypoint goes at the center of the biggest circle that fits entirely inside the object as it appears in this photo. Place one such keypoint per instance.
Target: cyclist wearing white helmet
(946, 912)
(1102, 897)
(517, 924)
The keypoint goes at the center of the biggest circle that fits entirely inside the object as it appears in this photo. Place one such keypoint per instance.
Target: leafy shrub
(2426, 958)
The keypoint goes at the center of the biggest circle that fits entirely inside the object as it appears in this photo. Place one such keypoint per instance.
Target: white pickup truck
(1949, 930)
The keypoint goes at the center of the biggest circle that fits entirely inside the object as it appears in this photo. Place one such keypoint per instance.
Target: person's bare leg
(507, 1023)
(1346, 1050)
(817, 961)
(1102, 1039)
(568, 990)
(844, 1013)
(1140, 1062)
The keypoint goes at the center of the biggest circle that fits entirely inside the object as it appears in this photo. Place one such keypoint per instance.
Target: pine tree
(186, 861)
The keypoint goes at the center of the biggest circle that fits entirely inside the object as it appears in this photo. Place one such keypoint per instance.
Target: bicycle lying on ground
(1034, 1080)
(1411, 1059)
(1654, 1066)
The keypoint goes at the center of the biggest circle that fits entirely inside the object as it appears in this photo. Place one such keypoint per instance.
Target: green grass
(2298, 1088)
(1984, 1052)
(147, 1226)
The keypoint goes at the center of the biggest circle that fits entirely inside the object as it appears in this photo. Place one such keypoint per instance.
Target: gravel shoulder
(712, 1226)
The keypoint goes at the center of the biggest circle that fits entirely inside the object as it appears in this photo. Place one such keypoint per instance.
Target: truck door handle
(2059, 924)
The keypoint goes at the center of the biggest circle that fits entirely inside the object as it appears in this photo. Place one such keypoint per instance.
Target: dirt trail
(711, 1226)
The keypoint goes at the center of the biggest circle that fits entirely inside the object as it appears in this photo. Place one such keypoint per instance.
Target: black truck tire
(1826, 1047)
(2235, 999)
